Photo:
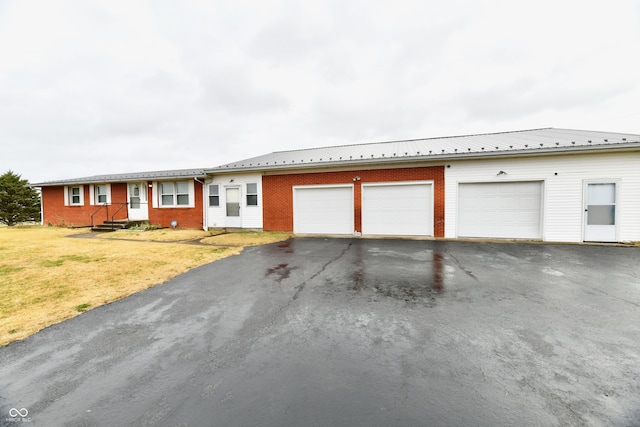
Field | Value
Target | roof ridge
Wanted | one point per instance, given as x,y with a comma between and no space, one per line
411,140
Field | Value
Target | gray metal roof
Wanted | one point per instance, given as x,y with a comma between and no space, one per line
524,142
127,177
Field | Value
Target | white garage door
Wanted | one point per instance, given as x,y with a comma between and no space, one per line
500,209
323,210
397,209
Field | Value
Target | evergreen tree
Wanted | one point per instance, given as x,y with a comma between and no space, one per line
18,202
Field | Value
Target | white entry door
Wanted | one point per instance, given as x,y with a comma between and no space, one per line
600,212
233,218
138,207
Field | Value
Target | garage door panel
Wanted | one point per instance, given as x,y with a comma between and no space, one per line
397,209
323,210
497,209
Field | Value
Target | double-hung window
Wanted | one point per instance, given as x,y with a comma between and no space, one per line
101,194
174,193
214,195
252,194
74,195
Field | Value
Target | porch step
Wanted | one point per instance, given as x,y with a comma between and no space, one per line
118,224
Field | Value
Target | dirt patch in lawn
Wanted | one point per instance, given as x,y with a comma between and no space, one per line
46,277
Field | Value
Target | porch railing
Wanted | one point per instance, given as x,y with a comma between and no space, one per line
105,206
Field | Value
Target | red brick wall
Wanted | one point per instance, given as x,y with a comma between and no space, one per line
277,192
56,213
186,217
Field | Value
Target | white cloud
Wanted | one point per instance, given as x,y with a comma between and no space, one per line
117,86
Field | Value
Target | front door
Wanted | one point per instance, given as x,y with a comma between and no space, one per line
233,207
138,206
600,212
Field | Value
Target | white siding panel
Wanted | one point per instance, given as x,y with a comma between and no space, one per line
564,177
251,216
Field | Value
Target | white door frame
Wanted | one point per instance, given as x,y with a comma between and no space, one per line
233,221
601,233
142,212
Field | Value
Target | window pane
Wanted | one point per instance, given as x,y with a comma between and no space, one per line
166,188
135,202
183,199
252,200
75,200
601,194
252,188
601,215
75,191
102,198
233,209
214,200
167,200
214,190
183,188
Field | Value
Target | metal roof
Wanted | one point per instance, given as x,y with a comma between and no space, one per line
514,143
523,142
127,177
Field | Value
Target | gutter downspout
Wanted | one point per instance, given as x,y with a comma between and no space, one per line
204,206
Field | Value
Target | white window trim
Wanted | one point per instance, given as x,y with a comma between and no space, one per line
247,194
218,195
67,195
93,196
157,195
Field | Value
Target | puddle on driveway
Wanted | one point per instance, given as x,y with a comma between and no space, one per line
416,278
281,272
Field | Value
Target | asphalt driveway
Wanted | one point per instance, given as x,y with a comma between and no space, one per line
350,332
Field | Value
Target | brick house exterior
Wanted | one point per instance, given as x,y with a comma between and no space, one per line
159,198
541,184
278,192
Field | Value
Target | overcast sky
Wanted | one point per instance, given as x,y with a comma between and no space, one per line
93,87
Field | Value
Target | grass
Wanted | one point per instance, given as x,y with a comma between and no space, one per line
46,277
161,235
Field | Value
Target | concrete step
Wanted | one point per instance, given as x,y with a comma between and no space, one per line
118,224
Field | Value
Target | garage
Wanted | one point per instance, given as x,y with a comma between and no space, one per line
500,209
401,209
323,209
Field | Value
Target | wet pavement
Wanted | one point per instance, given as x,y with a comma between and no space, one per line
350,332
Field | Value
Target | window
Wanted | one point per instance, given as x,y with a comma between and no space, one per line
74,195
174,193
101,194
214,195
252,194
